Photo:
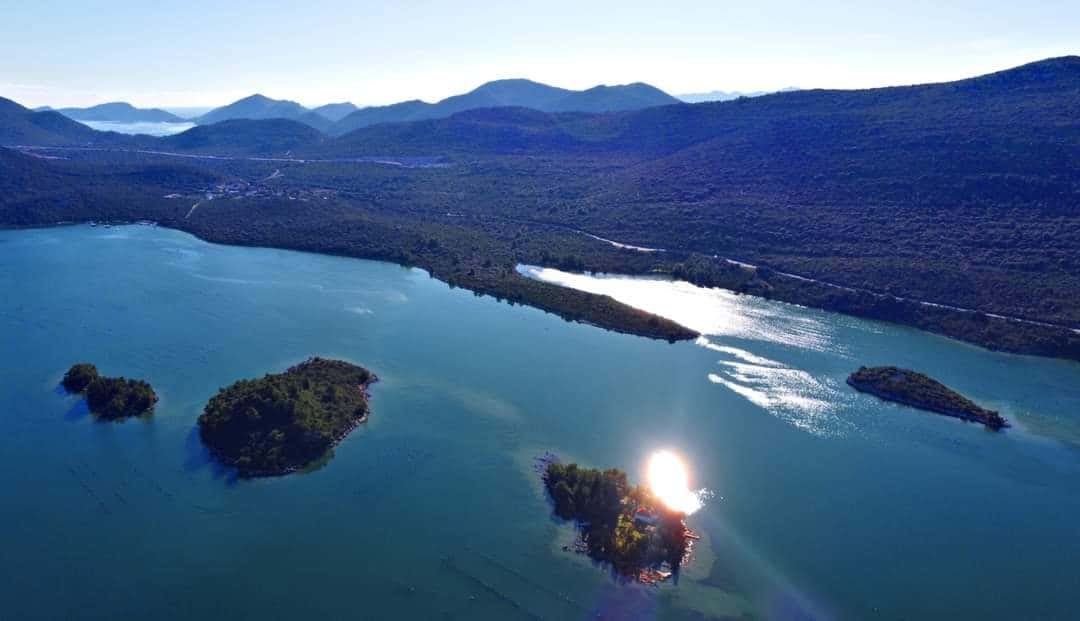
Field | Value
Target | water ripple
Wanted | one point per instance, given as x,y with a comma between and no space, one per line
788,393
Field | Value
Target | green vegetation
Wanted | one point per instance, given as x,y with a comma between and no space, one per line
963,195
281,423
244,137
79,377
621,524
110,397
918,390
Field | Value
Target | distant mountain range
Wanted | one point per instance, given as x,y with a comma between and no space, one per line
120,112
728,95
22,126
511,93
341,118
337,119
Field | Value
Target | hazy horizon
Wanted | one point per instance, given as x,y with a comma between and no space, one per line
202,54
195,110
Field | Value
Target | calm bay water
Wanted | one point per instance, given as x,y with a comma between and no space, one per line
147,127
827,504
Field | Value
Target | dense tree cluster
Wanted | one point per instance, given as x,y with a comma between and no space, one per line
621,524
79,377
280,423
110,397
918,390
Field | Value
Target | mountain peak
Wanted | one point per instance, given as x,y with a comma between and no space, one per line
257,106
119,112
255,98
334,112
509,83
514,92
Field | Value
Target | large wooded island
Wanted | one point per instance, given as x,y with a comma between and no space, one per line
283,422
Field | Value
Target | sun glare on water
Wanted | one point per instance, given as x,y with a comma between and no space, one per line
670,482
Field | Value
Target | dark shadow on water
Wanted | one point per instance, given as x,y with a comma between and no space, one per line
198,457
79,410
625,601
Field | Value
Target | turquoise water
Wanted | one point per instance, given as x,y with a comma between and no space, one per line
149,128
825,503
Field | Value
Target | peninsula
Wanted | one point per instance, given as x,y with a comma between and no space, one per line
280,423
620,524
919,391
109,397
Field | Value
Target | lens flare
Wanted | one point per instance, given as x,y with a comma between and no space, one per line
670,482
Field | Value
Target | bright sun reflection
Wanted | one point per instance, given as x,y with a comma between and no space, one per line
669,480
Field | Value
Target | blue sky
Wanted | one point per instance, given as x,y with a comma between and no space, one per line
207,53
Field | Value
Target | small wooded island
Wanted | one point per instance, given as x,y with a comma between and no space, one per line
281,423
109,397
620,524
917,390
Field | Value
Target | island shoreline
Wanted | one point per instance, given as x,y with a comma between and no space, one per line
338,439
872,381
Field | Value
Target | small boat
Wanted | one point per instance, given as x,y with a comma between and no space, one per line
93,224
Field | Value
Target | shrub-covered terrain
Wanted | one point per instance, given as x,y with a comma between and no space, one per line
110,397
79,377
918,390
280,423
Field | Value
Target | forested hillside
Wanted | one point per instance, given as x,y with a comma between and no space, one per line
963,194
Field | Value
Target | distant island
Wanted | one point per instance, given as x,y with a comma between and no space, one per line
110,397
620,524
280,423
120,112
918,390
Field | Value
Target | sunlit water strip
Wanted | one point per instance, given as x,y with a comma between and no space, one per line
789,393
714,312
